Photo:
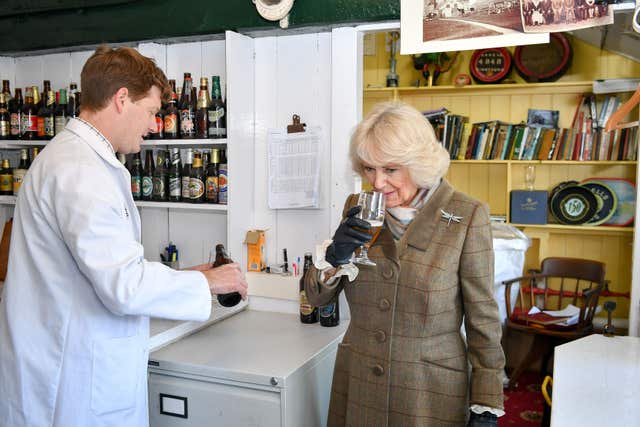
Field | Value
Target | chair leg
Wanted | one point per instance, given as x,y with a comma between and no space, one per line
537,350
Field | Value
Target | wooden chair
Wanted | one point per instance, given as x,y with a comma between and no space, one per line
560,281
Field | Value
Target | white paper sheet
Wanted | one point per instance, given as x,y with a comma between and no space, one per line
294,169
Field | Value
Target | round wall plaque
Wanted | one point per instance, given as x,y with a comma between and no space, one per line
574,205
490,65
544,62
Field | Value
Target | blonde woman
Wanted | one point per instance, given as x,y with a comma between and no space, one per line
403,361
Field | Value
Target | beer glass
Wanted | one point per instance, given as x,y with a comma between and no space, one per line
372,203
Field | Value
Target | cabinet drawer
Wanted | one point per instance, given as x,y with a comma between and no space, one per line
181,402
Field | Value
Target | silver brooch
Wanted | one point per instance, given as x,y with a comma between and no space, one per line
449,217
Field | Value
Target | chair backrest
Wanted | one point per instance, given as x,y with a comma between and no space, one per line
562,281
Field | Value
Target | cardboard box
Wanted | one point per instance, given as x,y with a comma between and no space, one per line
529,207
255,240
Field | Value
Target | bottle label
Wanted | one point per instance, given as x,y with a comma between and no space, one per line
222,187
196,188
49,126
186,192
147,186
15,124
18,177
305,307
215,128
158,187
59,123
40,126
5,128
29,123
187,126
328,310
170,124
212,188
175,187
136,186
6,183
159,126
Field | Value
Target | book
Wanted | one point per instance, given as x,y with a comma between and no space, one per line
546,144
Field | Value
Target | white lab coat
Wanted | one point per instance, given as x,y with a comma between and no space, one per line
74,317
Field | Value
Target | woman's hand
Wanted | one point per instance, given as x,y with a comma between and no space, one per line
347,238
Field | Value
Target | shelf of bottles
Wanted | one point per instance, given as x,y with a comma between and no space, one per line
11,200
217,143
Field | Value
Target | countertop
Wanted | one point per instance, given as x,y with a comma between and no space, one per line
251,346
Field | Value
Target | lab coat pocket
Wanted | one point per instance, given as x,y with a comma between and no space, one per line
115,374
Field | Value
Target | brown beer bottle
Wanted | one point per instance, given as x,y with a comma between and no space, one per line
202,118
5,118
29,127
196,183
20,171
6,178
15,112
308,313
225,300
211,180
186,176
46,116
171,114
187,110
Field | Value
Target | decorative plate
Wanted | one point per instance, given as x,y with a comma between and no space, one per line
544,62
574,205
607,202
625,192
490,65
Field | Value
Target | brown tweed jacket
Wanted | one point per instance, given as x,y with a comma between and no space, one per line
403,361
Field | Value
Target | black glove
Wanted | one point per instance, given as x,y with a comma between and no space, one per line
347,238
485,419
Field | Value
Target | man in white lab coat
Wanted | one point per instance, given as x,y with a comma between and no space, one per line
74,317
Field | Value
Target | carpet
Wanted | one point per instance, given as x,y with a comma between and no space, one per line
523,405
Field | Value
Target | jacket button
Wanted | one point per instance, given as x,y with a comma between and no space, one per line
378,370
387,274
380,336
384,304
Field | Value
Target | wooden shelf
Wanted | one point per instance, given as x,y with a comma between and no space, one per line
11,200
552,162
183,142
519,88
570,229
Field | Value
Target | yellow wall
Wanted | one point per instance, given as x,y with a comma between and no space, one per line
589,63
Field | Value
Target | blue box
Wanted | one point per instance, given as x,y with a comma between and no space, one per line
529,207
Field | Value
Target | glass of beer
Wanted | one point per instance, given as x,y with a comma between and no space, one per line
372,203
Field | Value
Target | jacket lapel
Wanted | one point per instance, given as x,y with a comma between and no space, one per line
421,229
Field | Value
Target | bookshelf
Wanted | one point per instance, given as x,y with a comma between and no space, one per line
492,180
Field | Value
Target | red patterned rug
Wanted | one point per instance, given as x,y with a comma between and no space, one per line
524,404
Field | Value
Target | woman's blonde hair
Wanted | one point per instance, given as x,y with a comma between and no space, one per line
396,133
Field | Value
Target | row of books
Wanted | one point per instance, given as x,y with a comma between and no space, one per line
497,140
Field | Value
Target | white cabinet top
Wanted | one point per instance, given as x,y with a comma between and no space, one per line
251,346
596,382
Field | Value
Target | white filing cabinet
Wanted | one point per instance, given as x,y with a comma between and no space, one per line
255,368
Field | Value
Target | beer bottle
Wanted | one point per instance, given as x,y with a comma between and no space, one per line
175,181
186,177
6,89
308,313
330,313
159,131
34,153
20,171
202,119
187,110
29,127
221,258
171,120
222,178
211,192
46,117
46,87
136,177
60,116
72,102
6,178
196,183
160,178
15,113
147,176
217,110
5,118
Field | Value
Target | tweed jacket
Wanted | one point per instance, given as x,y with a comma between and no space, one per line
403,361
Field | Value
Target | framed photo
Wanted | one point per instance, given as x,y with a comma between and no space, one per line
543,118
